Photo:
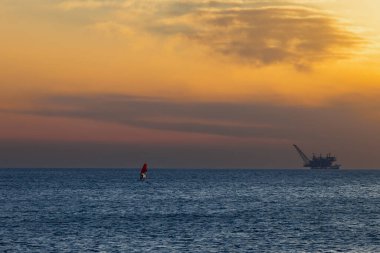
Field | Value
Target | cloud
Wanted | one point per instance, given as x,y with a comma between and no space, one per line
254,32
268,35
238,120
153,113
92,4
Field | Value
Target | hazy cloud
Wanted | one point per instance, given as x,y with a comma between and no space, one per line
268,35
255,32
92,4
241,120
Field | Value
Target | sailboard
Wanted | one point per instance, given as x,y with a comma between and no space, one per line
143,172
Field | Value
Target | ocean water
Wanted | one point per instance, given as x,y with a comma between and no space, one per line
109,210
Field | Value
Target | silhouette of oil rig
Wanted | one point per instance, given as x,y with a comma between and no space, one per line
318,162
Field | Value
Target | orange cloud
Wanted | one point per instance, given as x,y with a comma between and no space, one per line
255,32
299,36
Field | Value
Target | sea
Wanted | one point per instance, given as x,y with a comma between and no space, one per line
189,210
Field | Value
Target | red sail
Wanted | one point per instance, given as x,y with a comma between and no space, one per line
144,169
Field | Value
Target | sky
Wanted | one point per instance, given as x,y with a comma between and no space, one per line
188,84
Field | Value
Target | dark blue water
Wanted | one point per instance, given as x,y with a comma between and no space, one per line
108,210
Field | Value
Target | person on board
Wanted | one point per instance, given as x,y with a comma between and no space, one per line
143,172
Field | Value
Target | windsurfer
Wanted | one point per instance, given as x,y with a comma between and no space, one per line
143,172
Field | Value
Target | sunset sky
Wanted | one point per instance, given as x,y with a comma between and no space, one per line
188,84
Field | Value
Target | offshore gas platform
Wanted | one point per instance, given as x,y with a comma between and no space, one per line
318,162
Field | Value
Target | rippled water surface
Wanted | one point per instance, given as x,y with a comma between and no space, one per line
109,210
